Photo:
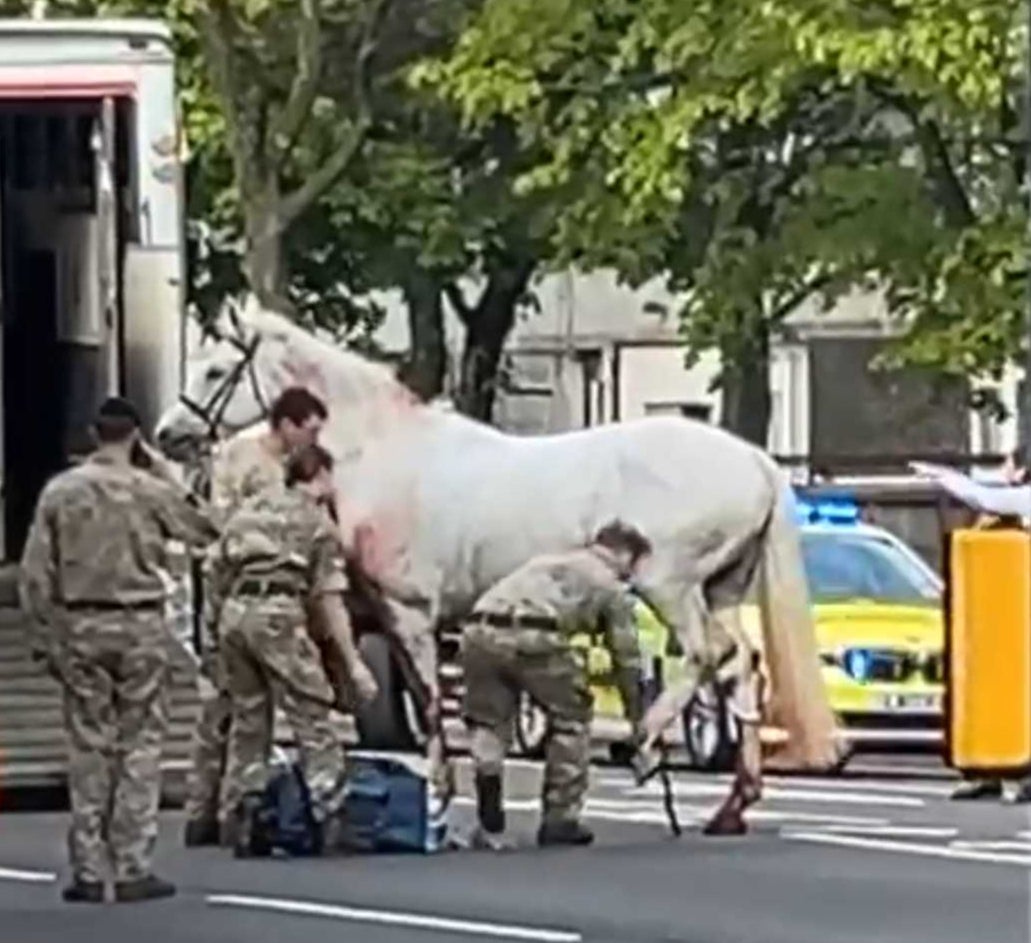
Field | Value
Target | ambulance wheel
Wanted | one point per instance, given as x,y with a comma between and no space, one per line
531,728
383,723
711,732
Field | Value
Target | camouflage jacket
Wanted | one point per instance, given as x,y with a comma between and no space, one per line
281,536
582,591
243,467
100,535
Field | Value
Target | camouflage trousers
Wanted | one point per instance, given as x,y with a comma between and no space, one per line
270,661
210,741
498,664
114,671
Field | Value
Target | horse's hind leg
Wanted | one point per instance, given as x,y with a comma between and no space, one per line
745,704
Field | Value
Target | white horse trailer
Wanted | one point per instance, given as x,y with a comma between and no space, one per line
91,239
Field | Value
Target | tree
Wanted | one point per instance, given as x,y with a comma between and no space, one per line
267,63
758,152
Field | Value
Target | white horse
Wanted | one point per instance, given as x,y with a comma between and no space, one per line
441,507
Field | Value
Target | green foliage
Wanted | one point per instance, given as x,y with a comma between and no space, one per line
760,150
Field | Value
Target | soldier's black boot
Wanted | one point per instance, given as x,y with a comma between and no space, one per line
249,832
83,892
489,808
564,832
148,888
200,833
490,813
974,789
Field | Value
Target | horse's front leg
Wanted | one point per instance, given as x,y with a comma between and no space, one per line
419,661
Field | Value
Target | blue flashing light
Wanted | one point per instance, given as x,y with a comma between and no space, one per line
836,511
858,663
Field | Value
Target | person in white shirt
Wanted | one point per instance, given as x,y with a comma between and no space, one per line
1008,505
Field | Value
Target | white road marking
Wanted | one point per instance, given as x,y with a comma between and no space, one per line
907,848
691,791
614,808
646,813
898,831
30,877
1020,846
903,789
391,918
719,782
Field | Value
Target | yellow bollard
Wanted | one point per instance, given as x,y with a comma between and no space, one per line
988,651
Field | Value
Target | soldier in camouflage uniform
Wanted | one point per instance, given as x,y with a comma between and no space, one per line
277,569
518,639
91,580
245,466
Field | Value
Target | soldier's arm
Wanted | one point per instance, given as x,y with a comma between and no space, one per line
37,577
225,487
218,580
328,580
182,515
620,634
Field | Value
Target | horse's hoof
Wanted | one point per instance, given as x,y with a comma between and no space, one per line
729,823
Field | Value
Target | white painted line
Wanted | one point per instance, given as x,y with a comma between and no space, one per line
844,785
897,831
630,812
29,877
854,797
907,848
390,918
1020,846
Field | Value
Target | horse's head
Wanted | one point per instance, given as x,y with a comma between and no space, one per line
233,379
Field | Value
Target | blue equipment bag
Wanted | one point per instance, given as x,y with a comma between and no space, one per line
390,807
285,823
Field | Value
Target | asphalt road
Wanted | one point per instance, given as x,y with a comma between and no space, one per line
879,855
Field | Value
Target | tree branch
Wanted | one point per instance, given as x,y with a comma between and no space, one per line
290,121
811,285
319,182
952,196
219,28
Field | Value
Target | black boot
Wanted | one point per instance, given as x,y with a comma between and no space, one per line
564,833
1023,793
200,833
248,831
973,789
489,808
148,888
83,892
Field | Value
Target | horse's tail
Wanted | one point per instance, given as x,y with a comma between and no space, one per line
798,703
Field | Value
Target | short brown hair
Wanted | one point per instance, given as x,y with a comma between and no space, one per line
298,405
617,535
306,463
116,420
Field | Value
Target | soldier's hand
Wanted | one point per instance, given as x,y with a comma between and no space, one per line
364,682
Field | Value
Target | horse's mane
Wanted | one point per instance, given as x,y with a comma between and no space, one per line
367,378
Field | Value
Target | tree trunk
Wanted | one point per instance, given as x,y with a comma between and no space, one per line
264,261
747,401
423,372
487,328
